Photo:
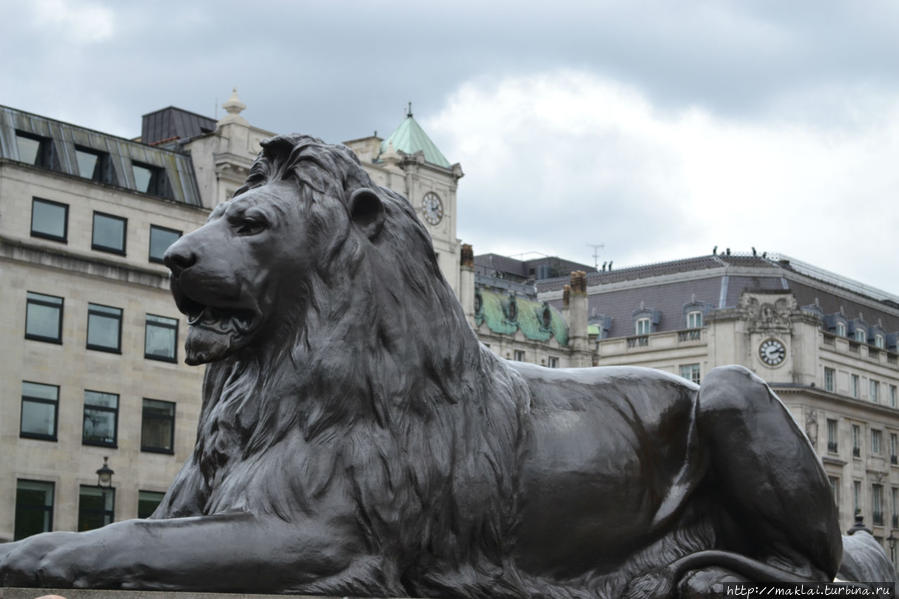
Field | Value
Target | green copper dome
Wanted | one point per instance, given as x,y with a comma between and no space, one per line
410,138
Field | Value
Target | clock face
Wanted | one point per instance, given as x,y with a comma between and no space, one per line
772,352
432,208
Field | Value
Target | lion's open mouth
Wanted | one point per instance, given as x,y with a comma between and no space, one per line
215,331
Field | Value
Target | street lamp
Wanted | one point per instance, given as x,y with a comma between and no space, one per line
104,474
891,541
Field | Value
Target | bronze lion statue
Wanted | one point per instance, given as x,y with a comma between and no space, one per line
357,439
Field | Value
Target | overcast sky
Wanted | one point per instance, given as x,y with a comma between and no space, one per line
658,129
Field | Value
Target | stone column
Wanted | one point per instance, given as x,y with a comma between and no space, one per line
466,282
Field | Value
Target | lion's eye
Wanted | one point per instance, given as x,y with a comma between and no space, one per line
248,226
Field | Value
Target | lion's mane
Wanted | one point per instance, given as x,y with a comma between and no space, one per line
375,377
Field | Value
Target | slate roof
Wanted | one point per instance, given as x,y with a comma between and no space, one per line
669,290
119,154
410,138
168,124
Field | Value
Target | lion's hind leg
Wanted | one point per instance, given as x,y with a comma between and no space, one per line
765,477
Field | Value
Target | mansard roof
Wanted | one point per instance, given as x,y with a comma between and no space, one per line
61,143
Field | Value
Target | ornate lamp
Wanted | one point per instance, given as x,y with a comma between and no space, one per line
104,474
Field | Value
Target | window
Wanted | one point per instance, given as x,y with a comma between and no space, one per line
109,233
841,329
856,495
876,441
873,390
160,240
856,440
150,179
694,319
553,362
835,488
34,149
690,372
853,386
157,431
518,355
147,502
829,376
43,317
879,341
49,220
34,508
40,407
104,328
894,505
642,326
893,396
894,448
832,444
860,335
877,504
101,416
96,507
161,338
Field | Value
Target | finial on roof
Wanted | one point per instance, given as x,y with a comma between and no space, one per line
409,110
233,106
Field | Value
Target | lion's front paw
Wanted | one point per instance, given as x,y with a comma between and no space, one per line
25,563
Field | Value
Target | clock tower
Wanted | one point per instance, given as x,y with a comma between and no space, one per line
409,163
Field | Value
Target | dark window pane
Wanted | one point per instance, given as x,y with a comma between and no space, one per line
100,418
161,338
142,177
160,240
158,426
87,163
39,404
34,508
96,507
147,502
28,149
109,233
48,219
103,327
43,316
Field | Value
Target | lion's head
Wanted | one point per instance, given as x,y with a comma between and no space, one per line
302,224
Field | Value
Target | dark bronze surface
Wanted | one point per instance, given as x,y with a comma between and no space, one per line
357,439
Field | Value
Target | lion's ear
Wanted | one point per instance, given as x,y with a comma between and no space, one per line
367,211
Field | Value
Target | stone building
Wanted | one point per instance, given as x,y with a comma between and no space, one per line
91,339
827,345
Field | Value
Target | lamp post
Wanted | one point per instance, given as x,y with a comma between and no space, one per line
891,541
104,474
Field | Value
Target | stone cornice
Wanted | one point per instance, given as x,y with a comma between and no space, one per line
836,398
17,250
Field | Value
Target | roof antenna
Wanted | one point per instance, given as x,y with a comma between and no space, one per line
596,247
409,110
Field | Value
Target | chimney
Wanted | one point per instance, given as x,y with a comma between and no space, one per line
577,320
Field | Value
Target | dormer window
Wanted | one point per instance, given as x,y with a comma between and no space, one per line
841,329
694,319
860,335
34,149
150,179
642,326
93,165
879,341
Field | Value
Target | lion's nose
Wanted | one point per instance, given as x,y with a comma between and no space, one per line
179,257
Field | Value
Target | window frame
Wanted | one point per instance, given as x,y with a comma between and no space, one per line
103,348
41,302
695,372
855,386
153,449
44,157
874,390
861,335
830,379
150,245
141,492
47,509
65,221
105,248
833,435
519,355
98,408
696,316
856,441
840,329
876,441
147,324
108,515
41,400
638,324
